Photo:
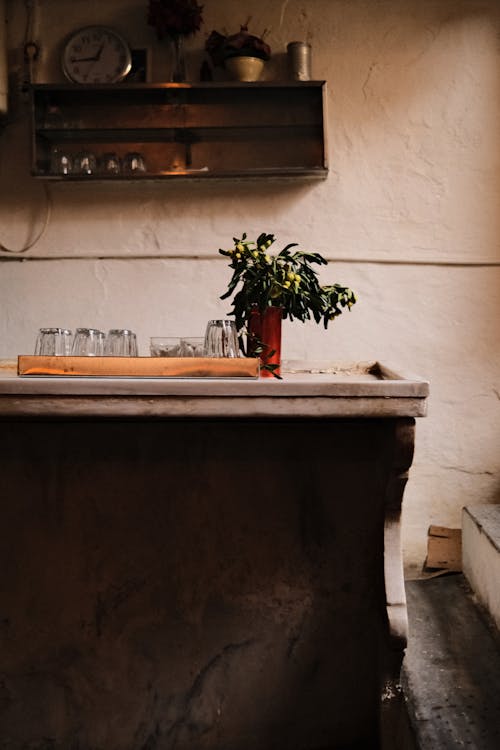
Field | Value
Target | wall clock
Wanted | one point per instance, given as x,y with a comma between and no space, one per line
96,54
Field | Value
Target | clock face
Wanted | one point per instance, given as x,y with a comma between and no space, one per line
96,54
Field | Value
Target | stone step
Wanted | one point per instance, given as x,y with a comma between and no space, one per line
481,555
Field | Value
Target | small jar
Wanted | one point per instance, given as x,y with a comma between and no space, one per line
299,61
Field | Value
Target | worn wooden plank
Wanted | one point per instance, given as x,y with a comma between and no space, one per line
148,367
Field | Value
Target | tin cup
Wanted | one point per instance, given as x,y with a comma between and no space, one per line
299,61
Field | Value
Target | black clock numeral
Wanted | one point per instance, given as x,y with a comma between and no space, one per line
76,48
85,39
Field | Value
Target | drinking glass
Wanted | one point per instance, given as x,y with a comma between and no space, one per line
133,163
193,346
60,162
120,342
165,346
110,163
85,163
221,339
53,342
88,342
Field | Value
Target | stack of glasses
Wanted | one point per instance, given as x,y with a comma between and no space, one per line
87,342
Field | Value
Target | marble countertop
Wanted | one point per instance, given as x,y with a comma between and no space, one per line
307,389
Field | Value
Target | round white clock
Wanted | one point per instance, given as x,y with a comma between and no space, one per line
96,54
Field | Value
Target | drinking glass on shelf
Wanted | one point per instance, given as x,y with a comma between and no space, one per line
53,342
192,346
165,346
54,118
133,163
88,342
221,339
109,163
85,163
120,342
60,162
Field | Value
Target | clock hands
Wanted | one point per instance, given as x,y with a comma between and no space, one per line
83,59
94,58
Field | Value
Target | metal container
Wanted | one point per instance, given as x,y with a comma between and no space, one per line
299,61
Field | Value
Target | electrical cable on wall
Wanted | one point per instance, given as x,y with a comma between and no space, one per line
42,231
31,51
3,63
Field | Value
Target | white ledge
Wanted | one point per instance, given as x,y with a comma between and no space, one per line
315,389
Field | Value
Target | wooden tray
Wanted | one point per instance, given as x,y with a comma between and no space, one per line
139,367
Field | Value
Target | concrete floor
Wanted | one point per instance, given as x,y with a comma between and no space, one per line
451,672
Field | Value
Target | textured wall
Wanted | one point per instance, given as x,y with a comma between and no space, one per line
409,215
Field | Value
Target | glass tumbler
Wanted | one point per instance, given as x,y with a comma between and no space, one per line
120,342
193,346
88,342
85,163
165,346
53,342
133,163
221,339
60,162
110,163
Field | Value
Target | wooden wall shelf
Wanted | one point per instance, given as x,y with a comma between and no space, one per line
201,130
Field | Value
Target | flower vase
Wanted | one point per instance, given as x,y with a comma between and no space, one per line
244,67
264,331
179,59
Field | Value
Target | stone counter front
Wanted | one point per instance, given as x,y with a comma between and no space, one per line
175,580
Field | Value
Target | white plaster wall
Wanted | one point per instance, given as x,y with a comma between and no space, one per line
409,216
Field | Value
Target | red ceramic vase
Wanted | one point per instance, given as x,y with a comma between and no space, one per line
264,329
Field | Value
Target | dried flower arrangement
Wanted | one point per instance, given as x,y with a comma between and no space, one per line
220,46
173,18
